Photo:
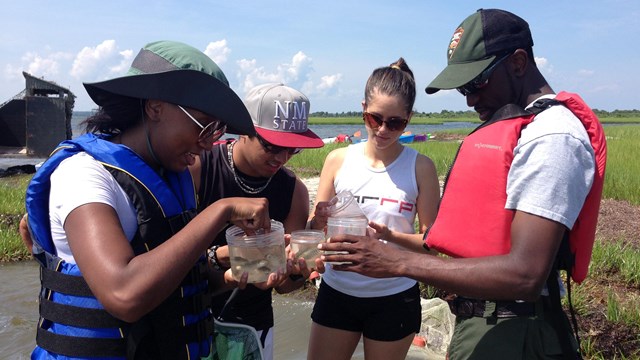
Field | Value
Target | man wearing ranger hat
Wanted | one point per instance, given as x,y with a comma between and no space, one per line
521,198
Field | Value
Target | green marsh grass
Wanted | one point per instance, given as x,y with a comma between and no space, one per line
580,298
620,120
440,152
622,177
617,311
630,267
356,120
434,120
12,195
605,258
308,163
589,349
11,247
622,182
613,308
616,258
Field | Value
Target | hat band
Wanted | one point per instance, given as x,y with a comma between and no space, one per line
149,62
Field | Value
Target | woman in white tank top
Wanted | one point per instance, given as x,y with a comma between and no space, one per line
392,184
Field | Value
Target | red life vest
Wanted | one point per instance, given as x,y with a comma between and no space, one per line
472,220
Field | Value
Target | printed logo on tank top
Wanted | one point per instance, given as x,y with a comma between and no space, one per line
395,204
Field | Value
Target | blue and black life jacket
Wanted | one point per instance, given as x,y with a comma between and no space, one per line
73,323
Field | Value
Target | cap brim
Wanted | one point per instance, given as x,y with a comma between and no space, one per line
307,139
456,75
189,88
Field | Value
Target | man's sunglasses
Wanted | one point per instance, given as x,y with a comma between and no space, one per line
275,149
374,121
209,133
481,80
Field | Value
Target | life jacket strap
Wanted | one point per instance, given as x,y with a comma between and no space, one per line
64,283
78,346
562,327
78,316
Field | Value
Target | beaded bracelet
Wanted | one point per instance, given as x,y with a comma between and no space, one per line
213,257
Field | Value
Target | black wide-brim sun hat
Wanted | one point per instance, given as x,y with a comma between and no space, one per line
179,74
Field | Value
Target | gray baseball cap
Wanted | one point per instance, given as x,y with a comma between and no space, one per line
280,115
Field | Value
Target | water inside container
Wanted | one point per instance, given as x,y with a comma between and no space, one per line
259,255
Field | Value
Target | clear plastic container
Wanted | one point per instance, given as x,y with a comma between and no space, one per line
259,255
345,204
304,244
346,225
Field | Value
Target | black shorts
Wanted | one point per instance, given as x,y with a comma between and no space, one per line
384,318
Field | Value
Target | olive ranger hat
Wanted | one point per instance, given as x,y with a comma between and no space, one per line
280,115
179,74
475,44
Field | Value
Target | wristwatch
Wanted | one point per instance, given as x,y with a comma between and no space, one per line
213,257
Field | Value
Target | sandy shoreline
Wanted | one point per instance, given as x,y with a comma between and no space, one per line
312,187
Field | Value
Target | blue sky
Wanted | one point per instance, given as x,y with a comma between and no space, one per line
326,49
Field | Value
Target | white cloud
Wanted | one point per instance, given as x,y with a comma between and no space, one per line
92,60
296,73
329,82
246,65
585,72
543,64
299,70
251,75
125,62
12,72
41,66
218,51
46,66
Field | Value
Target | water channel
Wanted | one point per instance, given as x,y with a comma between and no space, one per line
19,282
19,286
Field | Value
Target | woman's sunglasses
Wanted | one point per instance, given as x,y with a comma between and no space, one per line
209,133
393,124
275,149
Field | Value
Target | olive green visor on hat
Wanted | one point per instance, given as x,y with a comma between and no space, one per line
179,74
457,74
466,56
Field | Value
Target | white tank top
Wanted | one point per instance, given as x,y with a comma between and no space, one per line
386,195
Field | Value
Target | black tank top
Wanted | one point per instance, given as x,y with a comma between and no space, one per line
252,306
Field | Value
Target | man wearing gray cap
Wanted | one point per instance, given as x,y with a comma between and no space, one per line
521,198
252,166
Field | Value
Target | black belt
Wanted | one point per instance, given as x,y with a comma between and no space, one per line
464,307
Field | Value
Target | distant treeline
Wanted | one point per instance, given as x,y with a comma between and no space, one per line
447,114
